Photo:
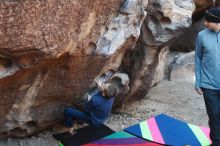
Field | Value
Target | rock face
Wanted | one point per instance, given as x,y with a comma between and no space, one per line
186,42
50,52
182,67
165,20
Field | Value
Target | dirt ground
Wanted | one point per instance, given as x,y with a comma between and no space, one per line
177,99
174,98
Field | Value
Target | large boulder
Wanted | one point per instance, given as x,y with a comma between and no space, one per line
51,51
186,42
145,63
166,20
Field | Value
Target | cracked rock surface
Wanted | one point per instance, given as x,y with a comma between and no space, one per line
52,50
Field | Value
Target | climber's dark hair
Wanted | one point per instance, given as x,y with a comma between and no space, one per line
109,90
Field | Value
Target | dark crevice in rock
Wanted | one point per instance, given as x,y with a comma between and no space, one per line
165,20
91,48
18,131
31,124
7,66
